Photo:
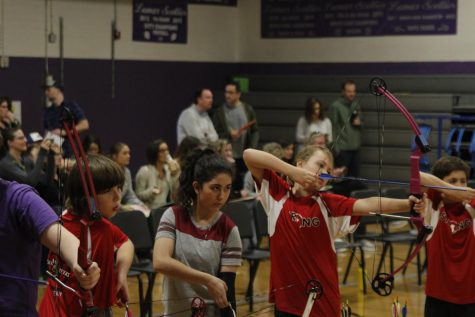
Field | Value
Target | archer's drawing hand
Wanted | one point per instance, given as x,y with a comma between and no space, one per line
304,177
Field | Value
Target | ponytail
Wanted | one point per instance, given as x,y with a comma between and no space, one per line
200,166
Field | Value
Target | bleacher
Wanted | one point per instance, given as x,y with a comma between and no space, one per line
279,102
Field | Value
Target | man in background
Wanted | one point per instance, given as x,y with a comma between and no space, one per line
345,115
195,121
236,121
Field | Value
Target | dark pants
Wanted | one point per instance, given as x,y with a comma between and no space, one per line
351,160
241,170
438,308
279,313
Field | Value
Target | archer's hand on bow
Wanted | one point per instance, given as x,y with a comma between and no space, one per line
122,290
419,203
89,279
217,288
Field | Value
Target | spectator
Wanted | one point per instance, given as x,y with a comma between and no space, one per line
186,146
120,153
16,166
314,120
92,144
56,175
229,120
53,176
7,119
224,148
195,121
345,114
33,141
317,138
289,150
58,110
197,247
156,183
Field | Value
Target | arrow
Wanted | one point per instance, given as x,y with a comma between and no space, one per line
325,176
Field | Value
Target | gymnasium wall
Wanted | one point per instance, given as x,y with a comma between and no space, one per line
154,82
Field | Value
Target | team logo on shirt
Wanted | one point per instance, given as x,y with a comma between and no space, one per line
453,225
304,222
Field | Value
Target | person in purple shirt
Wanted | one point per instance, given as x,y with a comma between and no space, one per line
26,222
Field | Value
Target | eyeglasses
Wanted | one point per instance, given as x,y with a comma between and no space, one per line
163,150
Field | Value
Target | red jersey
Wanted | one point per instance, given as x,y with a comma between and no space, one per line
106,238
302,232
450,251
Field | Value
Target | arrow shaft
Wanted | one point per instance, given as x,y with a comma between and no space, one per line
391,216
383,181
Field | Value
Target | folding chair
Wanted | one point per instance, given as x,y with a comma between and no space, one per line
241,214
135,225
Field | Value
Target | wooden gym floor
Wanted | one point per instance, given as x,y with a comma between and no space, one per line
369,305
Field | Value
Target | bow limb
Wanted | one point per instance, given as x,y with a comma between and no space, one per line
85,241
383,284
378,87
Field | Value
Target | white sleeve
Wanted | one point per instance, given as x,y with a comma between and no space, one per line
272,195
181,127
329,129
167,226
212,135
300,136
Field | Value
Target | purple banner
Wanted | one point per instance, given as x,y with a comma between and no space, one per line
340,18
231,3
160,21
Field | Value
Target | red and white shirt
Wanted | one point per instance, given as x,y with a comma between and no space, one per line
105,239
302,232
450,250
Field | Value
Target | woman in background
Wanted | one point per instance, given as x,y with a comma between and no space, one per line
92,144
120,153
314,120
156,183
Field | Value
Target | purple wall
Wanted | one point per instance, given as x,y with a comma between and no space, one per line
406,68
150,95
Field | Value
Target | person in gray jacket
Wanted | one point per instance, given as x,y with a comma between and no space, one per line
236,121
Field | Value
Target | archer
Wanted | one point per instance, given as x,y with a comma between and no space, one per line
302,254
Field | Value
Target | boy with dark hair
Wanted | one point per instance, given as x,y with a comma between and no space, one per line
451,246
106,239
